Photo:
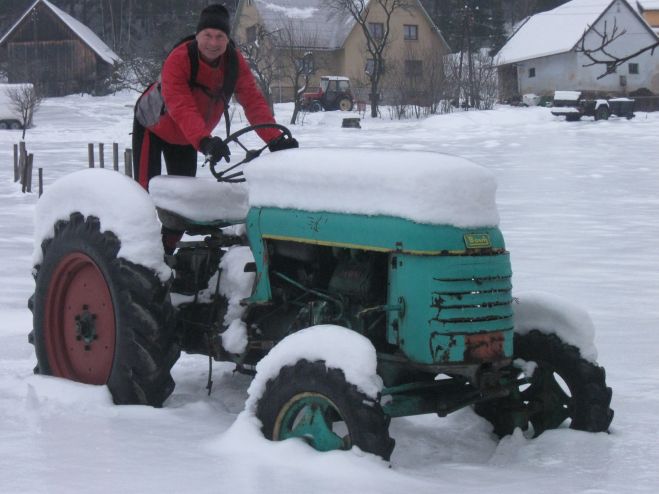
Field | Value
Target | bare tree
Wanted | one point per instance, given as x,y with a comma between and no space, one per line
476,88
25,100
416,84
261,56
136,72
377,38
298,62
601,54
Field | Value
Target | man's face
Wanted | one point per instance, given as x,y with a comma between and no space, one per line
212,43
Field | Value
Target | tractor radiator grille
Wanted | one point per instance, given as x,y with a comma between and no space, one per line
474,300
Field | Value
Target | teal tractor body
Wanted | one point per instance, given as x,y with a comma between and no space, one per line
398,251
449,293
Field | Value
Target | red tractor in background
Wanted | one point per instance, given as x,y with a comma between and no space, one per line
333,94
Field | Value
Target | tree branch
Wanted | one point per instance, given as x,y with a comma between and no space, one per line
601,55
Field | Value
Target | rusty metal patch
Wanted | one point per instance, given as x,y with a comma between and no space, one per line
484,347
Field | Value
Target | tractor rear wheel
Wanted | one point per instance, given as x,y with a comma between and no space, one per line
309,401
15,125
3,125
563,387
345,104
99,319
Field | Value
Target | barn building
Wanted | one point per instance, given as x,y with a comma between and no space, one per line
55,52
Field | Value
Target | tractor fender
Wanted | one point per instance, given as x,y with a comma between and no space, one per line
121,205
339,347
552,314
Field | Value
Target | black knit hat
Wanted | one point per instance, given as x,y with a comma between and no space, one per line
215,16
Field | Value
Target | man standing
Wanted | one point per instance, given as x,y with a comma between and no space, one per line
176,115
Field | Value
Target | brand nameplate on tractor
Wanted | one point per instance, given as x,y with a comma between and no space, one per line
477,241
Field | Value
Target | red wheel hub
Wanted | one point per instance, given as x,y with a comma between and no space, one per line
80,330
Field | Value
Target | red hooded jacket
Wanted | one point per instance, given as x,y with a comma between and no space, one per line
191,113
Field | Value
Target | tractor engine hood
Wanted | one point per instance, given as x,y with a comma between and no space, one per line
424,187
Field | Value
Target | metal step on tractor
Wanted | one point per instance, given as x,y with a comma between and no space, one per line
349,309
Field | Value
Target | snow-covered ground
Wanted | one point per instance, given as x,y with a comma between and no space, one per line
579,208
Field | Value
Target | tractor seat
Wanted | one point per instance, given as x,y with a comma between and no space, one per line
188,202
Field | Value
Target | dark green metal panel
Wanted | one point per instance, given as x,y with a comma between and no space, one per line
446,298
262,292
380,233
445,291
383,233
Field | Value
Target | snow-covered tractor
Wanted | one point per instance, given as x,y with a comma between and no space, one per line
333,94
356,290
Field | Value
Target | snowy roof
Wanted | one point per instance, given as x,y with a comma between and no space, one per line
648,4
552,32
319,25
82,31
314,19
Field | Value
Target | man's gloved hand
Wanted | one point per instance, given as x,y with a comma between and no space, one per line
214,149
283,142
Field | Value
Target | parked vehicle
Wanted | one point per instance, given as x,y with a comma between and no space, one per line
9,117
333,94
573,105
418,295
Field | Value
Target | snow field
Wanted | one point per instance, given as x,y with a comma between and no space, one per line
578,207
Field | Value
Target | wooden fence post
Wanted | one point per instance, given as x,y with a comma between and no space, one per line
16,175
101,155
22,160
90,154
115,156
40,181
28,172
128,162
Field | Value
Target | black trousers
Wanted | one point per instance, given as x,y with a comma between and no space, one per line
148,150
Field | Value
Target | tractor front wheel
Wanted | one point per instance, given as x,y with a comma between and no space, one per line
563,387
317,404
99,319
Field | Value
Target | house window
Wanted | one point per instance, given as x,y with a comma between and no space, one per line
633,68
306,64
411,32
376,29
370,65
413,68
250,33
532,72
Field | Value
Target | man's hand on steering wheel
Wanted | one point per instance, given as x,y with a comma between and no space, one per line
283,142
214,149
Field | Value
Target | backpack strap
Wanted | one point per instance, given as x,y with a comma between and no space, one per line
193,55
230,75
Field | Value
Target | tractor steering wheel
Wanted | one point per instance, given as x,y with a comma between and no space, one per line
250,154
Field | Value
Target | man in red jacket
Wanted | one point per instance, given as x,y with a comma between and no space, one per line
176,116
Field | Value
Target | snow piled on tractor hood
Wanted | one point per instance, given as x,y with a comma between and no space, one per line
339,347
425,187
122,205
